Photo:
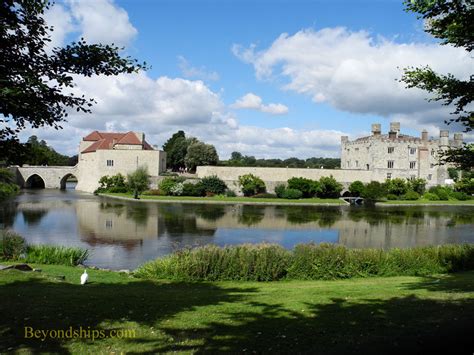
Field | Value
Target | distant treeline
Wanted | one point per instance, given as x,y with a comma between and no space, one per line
33,152
237,159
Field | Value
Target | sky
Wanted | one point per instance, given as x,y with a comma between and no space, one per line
268,78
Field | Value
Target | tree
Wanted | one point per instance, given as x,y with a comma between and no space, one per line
453,22
138,181
34,78
200,153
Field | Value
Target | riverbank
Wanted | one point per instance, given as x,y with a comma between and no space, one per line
230,200
422,202
374,315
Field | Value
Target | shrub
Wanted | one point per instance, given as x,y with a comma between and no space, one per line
279,190
177,189
230,193
292,194
49,254
308,187
430,196
392,197
138,181
357,188
461,196
6,176
411,196
190,189
330,188
251,185
442,192
115,183
396,186
465,185
213,185
374,191
8,190
418,185
12,245
152,192
168,182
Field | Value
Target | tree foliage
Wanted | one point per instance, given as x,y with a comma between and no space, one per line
200,153
451,21
237,159
138,181
36,81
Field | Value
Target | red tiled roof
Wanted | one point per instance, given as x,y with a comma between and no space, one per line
107,140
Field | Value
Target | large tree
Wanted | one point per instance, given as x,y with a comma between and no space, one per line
35,80
200,153
451,21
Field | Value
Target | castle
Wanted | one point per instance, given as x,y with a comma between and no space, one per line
396,155
108,153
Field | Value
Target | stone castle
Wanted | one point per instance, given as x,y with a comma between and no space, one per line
396,155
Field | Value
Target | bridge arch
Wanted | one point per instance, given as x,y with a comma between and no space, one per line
35,181
64,179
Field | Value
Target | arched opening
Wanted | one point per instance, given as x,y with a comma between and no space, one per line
346,194
35,182
68,182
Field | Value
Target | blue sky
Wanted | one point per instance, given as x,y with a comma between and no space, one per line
267,78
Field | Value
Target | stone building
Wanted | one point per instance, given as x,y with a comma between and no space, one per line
109,153
396,155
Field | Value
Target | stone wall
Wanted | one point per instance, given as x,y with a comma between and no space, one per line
275,176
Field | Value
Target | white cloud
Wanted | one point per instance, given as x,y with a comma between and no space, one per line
355,72
191,72
254,102
97,21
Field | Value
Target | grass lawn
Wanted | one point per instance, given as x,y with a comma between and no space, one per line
427,202
373,315
240,199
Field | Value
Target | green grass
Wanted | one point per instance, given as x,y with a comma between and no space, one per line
240,199
59,255
426,202
369,316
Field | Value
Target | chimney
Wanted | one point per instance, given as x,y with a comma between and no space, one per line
444,138
424,135
140,136
395,127
344,139
392,135
376,129
457,140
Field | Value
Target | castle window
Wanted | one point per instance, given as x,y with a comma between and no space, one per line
429,176
412,164
391,150
389,176
357,149
432,152
110,163
357,163
368,166
348,164
412,150
108,224
412,177
390,164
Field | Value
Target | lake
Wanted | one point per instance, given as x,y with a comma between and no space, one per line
124,234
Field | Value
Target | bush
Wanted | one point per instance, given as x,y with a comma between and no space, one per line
190,189
12,245
357,188
49,254
167,184
266,262
374,191
292,194
396,186
279,190
465,185
230,193
8,190
461,196
177,189
115,183
213,185
418,185
330,188
153,192
138,181
411,196
308,187
392,197
442,192
251,185
430,196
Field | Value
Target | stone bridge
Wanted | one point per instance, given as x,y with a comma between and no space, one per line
49,177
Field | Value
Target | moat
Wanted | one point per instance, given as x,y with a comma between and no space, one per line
124,234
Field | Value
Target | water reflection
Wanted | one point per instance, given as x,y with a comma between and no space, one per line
124,234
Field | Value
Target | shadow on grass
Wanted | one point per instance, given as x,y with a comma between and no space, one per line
408,324
42,304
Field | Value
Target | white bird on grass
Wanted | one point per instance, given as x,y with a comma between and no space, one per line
84,277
